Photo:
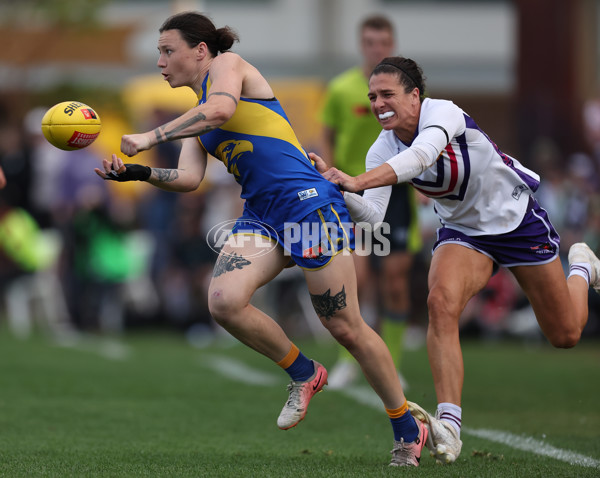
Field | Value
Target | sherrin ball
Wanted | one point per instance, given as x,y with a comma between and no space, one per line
71,125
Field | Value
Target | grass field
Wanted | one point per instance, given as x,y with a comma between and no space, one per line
150,405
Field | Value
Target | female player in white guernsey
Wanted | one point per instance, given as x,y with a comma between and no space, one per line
240,122
489,218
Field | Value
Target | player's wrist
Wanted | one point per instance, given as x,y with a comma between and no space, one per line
133,172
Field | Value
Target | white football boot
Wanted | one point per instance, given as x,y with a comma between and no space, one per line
300,394
443,441
580,252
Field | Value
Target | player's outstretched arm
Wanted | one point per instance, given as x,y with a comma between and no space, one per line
226,73
187,176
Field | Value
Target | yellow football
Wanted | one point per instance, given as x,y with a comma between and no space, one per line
71,125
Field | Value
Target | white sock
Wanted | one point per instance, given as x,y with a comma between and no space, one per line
582,269
451,414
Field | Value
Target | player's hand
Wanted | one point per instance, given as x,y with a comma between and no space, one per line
320,164
346,183
132,144
115,170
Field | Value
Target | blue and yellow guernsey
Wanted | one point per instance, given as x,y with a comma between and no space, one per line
259,147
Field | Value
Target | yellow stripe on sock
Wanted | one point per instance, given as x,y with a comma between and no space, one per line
397,412
290,357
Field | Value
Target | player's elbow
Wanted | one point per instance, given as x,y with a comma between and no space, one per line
188,188
222,113
191,185
220,117
183,182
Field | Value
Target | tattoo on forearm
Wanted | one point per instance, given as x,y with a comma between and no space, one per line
223,93
159,135
228,263
166,175
194,119
326,305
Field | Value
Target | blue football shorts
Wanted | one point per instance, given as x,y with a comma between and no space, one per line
310,243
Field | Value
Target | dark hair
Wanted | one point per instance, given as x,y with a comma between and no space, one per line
410,75
377,22
196,28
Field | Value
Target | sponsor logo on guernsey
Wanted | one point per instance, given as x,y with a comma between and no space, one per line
516,194
307,194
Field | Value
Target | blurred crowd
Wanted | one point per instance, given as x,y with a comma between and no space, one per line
75,256
79,255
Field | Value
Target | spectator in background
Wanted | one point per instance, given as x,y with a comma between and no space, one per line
30,252
47,164
15,162
349,131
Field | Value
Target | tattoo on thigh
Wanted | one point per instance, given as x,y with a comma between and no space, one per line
229,262
326,305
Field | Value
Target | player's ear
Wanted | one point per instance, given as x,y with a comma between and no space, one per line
416,95
202,50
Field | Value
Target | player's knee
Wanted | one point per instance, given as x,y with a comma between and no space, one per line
224,306
344,335
442,310
564,339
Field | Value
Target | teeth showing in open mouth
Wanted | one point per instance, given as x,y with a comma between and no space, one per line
387,114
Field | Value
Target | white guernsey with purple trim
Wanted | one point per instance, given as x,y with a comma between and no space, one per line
477,189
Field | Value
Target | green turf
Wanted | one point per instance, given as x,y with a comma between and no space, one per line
70,412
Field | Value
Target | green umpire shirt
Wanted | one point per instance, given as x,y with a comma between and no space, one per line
347,110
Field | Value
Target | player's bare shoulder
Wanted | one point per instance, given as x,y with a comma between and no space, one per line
227,61
254,85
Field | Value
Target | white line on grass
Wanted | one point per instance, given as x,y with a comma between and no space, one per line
106,348
368,397
535,446
237,370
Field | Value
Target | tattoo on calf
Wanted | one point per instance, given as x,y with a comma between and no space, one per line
326,305
229,262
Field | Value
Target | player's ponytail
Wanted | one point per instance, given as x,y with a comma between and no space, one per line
196,28
225,38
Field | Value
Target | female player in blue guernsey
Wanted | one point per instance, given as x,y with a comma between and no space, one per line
239,121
